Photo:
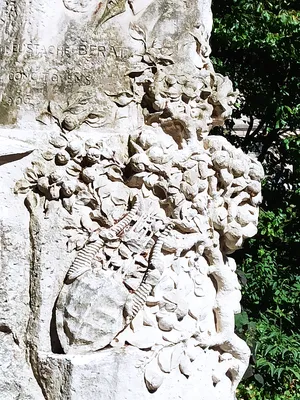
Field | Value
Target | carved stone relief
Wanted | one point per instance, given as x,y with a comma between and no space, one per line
134,210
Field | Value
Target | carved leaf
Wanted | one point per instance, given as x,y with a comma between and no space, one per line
79,99
70,223
80,242
164,359
56,110
185,365
31,201
68,204
22,186
118,199
164,60
31,175
137,33
144,338
76,109
176,355
153,376
39,168
48,155
114,173
76,6
94,119
149,318
122,99
113,8
71,244
86,199
138,69
88,224
134,148
137,322
149,59
45,118
100,181
74,169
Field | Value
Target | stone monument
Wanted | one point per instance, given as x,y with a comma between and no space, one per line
118,210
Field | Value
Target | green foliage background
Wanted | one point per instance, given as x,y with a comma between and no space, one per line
257,44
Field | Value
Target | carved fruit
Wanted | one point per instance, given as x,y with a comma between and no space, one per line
68,188
90,312
43,184
58,142
54,192
88,175
75,147
93,156
62,158
56,177
70,122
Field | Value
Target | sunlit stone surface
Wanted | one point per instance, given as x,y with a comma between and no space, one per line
118,210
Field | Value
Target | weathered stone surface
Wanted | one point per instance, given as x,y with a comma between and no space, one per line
119,374
118,209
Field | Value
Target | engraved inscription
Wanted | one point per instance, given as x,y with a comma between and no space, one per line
35,50
67,67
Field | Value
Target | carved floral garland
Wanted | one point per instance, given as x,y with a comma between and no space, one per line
150,243
152,230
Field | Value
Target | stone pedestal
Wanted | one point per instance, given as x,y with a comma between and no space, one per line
118,209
